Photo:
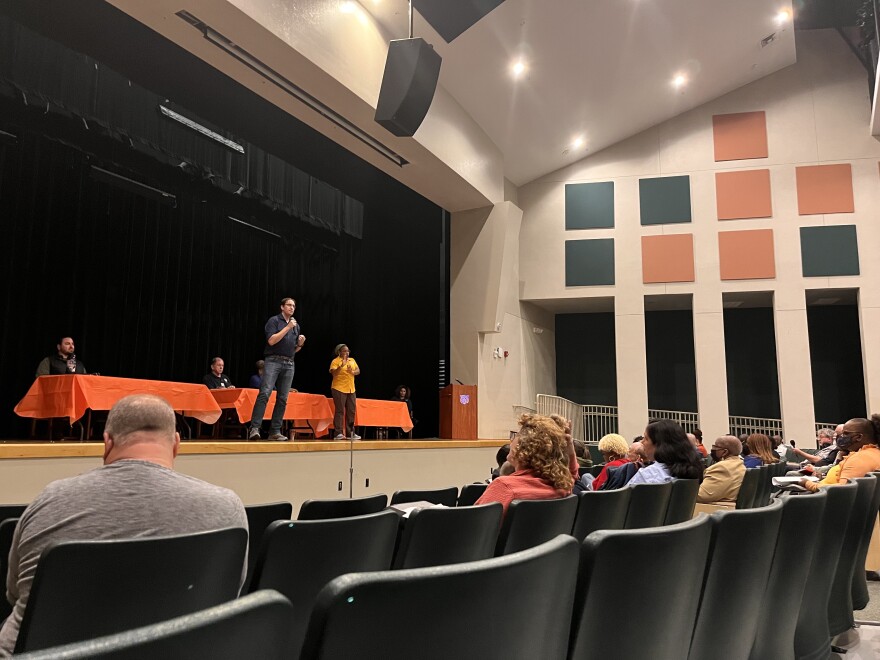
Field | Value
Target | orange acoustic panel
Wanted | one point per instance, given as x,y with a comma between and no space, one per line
825,189
668,258
743,194
746,255
740,136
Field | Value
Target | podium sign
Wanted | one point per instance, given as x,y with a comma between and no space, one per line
458,412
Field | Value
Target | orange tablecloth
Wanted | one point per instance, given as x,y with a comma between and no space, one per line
376,412
71,395
310,407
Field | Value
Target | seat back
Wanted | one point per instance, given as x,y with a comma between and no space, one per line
811,638
299,557
798,532
7,529
85,589
259,516
444,496
840,605
735,581
358,506
647,505
432,537
531,522
601,509
443,610
765,484
470,493
253,626
748,490
682,501
11,511
859,585
606,593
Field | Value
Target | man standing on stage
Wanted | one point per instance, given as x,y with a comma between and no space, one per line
63,362
283,341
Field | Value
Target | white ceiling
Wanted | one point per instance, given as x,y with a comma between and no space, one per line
601,69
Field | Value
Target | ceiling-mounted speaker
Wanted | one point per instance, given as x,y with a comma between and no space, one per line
411,72
452,17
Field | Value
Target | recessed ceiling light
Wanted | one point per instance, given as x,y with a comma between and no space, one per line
783,16
518,68
578,142
679,81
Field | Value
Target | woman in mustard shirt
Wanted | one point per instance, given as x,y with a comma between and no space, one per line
343,369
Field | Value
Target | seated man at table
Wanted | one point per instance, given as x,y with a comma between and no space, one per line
62,362
136,494
216,379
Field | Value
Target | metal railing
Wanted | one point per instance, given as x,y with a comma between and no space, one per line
548,404
740,425
598,421
688,420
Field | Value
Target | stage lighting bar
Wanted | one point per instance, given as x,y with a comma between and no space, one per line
204,130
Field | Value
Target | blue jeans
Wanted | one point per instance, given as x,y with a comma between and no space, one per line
276,373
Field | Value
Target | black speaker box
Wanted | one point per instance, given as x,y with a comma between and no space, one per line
411,72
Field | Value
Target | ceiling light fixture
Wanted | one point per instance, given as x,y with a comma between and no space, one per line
293,90
578,142
679,81
783,16
518,68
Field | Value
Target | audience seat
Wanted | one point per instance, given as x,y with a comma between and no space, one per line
531,522
812,638
647,505
11,511
765,485
254,626
601,509
860,595
660,599
682,501
432,537
470,493
85,589
516,606
7,529
358,506
259,517
298,558
748,490
840,604
736,577
444,496
798,533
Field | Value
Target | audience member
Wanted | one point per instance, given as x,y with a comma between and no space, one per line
343,369
827,450
404,394
543,455
257,378
135,494
216,379
698,434
858,437
62,362
580,451
674,456
500,459
613,448
779,447
636,453
760,451
722,479
697,444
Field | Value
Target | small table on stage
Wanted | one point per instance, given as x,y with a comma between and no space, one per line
380,414
312,408
74,395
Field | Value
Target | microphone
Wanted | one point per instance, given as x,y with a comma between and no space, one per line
458,381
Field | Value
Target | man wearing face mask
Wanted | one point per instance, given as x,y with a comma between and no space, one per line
722,479
858,437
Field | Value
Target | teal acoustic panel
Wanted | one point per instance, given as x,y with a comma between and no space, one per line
589,262
589,205
829,251
665,200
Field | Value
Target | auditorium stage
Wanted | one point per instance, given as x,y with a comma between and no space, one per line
271,471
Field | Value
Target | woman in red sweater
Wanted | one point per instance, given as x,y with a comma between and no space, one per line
546,466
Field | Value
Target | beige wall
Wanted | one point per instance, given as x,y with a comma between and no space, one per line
817,112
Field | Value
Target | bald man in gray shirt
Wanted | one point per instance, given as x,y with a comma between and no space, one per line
136,494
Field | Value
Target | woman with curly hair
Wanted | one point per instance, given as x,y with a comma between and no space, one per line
674,456
545,464
760,451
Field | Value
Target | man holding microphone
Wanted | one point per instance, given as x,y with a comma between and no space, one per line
283,341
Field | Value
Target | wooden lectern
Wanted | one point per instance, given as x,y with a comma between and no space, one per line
458,412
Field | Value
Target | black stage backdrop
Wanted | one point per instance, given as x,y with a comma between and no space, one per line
151,290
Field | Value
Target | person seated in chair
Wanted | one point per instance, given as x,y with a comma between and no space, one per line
257,378
722,479
859,438
216,379
404,394
760,451
62,362
542,454
614,449
136,494
673,455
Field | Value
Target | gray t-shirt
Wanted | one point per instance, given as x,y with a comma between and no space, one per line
124,500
